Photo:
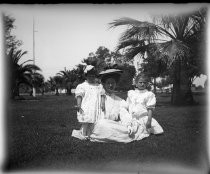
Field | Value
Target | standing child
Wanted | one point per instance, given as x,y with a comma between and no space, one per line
141,104
90,102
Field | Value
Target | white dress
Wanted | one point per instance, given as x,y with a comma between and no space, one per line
139,101
91,102
112,131
113,105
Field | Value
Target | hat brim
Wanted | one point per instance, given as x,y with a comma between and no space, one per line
110,71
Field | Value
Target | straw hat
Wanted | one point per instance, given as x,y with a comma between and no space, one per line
110,73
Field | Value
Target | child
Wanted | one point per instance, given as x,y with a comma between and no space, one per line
90,101
141,104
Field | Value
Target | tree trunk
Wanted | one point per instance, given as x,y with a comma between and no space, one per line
181,93
68,91
56,93
68,88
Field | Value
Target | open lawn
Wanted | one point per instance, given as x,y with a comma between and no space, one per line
39,130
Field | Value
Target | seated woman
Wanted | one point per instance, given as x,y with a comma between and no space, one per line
113,104
135,123
116,114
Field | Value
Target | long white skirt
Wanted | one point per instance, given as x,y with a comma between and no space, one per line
112,131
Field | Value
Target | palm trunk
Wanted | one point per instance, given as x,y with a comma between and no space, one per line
181,94
68,91
56,93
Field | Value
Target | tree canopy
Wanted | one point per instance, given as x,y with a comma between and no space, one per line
177,40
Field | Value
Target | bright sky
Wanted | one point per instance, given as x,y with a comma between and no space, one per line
67,33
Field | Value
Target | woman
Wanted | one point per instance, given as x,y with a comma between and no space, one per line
113,103
130,127
112,127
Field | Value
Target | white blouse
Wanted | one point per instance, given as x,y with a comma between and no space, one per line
113,105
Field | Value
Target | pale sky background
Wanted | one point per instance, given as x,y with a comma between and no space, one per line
67,33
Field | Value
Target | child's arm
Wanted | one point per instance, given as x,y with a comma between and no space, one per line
148,124
79,102
150,107
103,102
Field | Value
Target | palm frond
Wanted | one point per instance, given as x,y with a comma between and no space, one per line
25,62
133,51
130,22
173,50
32,67
129,42
142,33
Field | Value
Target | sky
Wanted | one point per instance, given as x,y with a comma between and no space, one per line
66,33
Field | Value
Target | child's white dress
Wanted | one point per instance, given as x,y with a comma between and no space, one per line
91,105
139,101
91,102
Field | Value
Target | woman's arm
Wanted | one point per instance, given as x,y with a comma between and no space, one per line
103,102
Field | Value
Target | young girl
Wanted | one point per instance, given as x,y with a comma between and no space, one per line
141,104
90,102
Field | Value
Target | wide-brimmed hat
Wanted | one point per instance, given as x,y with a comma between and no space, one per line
110,73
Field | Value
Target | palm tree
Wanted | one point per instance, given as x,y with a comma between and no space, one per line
69,77
172,39
51,84
55,82
38,82
20,72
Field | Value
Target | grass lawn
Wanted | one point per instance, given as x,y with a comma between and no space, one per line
39,130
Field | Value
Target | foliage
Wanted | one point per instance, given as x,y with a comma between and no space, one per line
172,39
38,82
21,72
69,77
164,82
98,59
10,40
55,83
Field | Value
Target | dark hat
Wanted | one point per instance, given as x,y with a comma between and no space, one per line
110,73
